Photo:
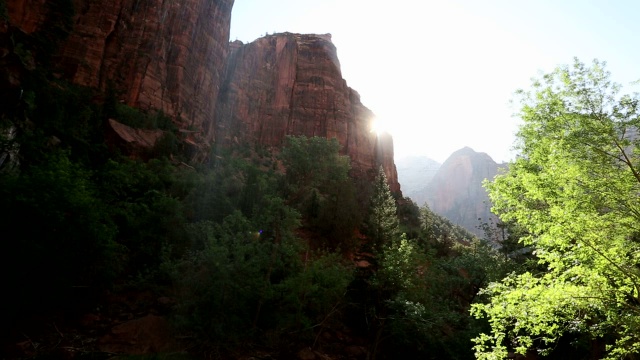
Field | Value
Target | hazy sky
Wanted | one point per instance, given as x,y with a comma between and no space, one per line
440,74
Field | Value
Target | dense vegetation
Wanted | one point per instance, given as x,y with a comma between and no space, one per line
254,245
248,252
574,192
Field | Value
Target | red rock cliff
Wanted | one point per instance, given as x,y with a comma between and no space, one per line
171,56
291,84
158,54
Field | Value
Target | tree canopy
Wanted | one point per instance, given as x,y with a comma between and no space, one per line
382,221
574,190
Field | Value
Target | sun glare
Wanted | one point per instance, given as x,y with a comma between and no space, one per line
379,126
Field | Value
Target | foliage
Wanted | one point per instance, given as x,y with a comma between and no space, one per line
312,163
145,203
221,283
382,221
573,189
439,233
318,185
60,114
338,216
56,233
416,304
314,296
249,277
429,296
409,217
98,216
221,237
505,236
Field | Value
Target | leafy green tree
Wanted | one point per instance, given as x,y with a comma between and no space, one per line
382,222
506,237
437,232
317,183
221,284
250,279
314,296
409,217
57,235
427,297
312,163
146,206
339,215
574,191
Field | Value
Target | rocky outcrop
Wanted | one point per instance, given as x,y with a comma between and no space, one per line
163,55
27,15
291,84
130,140
456,191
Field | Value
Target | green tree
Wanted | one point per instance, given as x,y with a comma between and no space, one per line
427,297
312,163
67,242
383,225
226,285
251,278
317,183
437,232
574,191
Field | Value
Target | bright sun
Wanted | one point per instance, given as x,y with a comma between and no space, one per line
379,126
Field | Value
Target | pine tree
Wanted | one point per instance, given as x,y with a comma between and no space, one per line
382,222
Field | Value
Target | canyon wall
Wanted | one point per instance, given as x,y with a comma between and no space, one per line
176,57
155,54
291,84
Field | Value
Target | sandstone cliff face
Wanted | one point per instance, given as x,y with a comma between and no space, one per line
157,54
291,84
456,190
171,56
27,15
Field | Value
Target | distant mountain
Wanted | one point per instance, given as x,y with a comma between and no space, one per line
414,173
456,191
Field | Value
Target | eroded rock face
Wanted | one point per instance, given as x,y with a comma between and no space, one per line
27,15
156,54
291,84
